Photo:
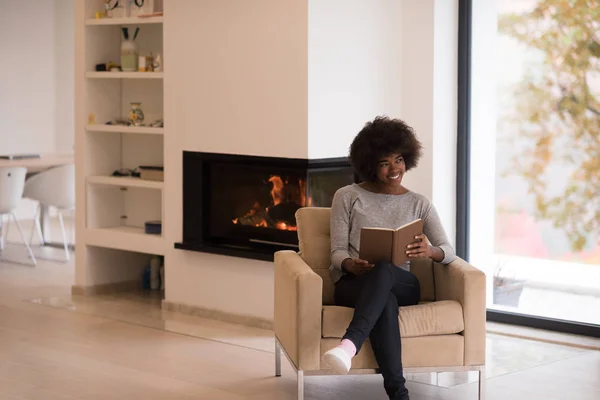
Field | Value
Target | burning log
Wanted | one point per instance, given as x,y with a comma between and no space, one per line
286,199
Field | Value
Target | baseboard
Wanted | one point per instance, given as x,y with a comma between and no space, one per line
255,322
106,288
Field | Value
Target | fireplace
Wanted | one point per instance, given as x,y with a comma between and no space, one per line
245,205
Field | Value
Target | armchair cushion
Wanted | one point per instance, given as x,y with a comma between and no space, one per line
426,319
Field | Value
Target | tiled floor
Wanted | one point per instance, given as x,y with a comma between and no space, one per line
53,346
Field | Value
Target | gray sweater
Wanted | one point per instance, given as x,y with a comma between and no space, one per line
354,207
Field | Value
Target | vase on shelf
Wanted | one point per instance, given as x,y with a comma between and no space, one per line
136,115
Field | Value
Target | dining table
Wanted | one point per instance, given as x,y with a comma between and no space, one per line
35,164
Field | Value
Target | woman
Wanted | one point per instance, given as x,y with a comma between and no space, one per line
381,154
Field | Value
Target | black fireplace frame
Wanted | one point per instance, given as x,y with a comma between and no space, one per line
195,201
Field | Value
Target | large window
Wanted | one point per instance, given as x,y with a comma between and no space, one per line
533,155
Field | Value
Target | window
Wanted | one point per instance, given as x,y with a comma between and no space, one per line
529,144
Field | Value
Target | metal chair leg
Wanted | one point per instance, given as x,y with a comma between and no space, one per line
36,227
482,384
2,231
6,227
64,235
23,238
277,358
300,385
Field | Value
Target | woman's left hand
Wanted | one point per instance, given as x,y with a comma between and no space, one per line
419,248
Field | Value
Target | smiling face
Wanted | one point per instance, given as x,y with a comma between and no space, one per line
390,170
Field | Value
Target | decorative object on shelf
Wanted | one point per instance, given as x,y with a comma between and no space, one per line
142,64
118,121
146,277
150,63
129,51
143,8
162,277
136,115
113,66
159,123
152,173
100,67
153,227
124,172
155,273
91,119
157,63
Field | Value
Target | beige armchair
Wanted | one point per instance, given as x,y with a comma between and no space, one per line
445,332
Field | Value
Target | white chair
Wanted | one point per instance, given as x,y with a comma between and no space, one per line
54,187
12,183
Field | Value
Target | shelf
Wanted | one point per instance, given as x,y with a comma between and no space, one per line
123,75
123,21
124,182
143,130
125,238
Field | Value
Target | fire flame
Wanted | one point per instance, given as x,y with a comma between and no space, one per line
277,188
257,215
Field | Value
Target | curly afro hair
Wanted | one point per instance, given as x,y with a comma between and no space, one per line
380,138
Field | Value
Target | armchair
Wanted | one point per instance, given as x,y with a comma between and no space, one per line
444,332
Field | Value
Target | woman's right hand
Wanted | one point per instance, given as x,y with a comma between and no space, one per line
356,266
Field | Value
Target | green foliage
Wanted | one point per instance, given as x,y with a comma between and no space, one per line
560,113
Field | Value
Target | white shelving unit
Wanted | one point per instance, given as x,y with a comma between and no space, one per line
141,130
112,246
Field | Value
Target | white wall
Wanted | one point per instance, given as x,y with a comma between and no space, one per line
354,70
36,91
64,75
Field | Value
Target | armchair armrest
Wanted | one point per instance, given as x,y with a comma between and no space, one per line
462,282
298,308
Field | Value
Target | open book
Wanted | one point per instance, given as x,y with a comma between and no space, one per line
388,245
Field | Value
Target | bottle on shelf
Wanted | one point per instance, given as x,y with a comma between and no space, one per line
155,273
129,51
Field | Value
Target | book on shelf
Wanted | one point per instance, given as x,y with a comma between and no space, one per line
388,245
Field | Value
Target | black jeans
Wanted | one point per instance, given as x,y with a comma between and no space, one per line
376,297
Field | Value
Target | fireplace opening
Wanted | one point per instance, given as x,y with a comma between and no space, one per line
277,210
245,205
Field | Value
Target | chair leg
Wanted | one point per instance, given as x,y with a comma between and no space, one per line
64,235
23,238
482,383
6,226
36,227
1,232
300,385
277,358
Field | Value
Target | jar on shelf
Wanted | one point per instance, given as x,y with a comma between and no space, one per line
136,115
129,55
